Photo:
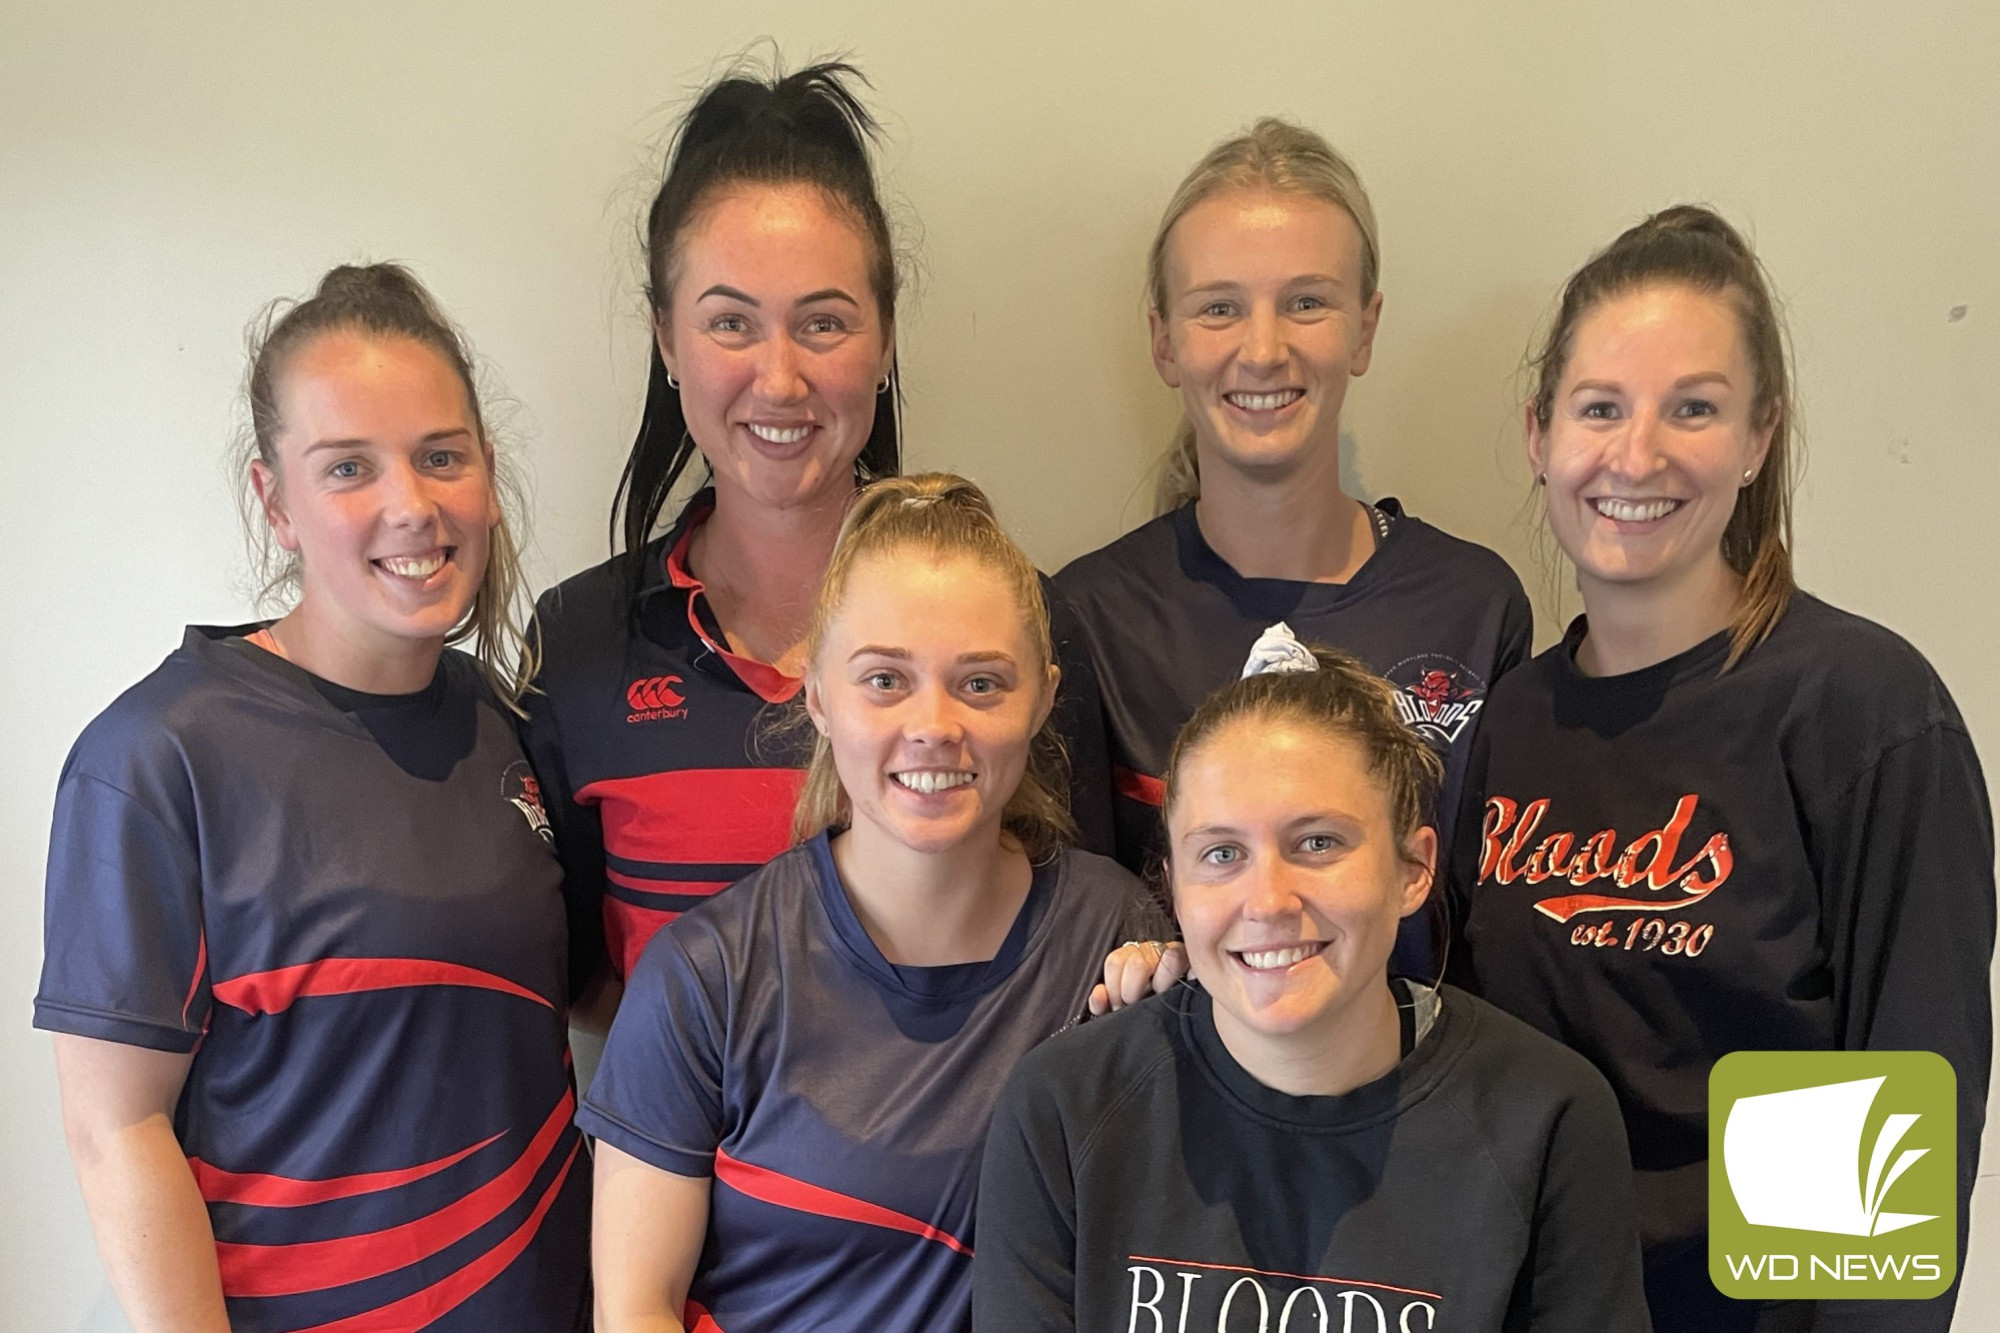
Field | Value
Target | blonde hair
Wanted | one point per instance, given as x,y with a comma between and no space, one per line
937,516
1690,246
1277,155
383,301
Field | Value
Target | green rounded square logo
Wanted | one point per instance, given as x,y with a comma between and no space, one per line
1832,1175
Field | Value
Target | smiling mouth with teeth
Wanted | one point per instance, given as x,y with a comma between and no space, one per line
415,566
1264,960
779,434
930,781
1634,511
1263,402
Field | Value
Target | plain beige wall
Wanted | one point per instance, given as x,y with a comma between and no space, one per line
166,168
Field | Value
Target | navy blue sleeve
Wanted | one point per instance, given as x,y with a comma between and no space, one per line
124,957
1079,720
658,1093
1024,1256
1517,634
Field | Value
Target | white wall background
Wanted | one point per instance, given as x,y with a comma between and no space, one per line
164,169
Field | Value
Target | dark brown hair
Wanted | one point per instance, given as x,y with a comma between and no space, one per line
1693,247
1343,699
804,128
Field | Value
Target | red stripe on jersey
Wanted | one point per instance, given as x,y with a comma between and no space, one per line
698,815
769,1186
628,928
1138,786
420,1309
194,986
274,991
266,1191
771,685
286,1270
695,1318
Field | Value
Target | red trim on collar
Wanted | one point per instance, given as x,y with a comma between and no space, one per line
769,684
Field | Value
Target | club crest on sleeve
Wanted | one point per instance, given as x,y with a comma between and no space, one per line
654,698
524,793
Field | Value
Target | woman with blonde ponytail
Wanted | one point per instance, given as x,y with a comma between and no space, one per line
1720,815
1263,283
795,1094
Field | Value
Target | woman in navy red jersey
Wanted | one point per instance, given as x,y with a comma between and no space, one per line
1299,1139
1720,814
1264,304
305,931
773,289
794,1097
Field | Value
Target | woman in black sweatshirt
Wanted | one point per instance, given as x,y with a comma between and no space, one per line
1720,814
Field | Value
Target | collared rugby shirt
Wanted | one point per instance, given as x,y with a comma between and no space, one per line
364,956
673,764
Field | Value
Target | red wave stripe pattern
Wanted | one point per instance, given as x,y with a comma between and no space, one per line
194,986
769,1186
699,815
1138,786
286,1270
274,991
422,1308
265,1191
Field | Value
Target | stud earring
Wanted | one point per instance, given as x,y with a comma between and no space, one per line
1749,475
1541,479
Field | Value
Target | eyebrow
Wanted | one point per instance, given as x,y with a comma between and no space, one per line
435,437
727,292
903,654
1230,284
1684,382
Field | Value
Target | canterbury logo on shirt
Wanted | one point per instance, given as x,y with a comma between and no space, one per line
1647,874
654,698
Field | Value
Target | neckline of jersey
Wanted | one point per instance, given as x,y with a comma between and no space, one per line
1704,658
942,986
764,680
1280,597
1415,1076
225,648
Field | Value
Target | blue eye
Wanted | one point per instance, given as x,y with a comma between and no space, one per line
1223,854
347,469
1216,310
1318,843
982,685
880,680
441,458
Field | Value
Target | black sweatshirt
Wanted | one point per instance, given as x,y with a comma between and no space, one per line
1676,863
1138,1178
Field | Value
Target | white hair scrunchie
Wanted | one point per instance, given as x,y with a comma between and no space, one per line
1278,649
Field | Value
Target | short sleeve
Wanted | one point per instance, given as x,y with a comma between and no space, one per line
124,953
658,1094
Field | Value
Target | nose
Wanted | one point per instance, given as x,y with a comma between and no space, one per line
1269,890
933,717
780,371
406,496
1263,340
1634,453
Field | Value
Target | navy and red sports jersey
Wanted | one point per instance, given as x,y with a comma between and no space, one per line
671,772
838,1101
1169,622
367,962
1664,866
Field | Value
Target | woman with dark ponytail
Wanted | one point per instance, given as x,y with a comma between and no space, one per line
772,282
305,930
1720,815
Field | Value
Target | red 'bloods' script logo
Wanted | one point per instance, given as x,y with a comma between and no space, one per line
1642,870
654,698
